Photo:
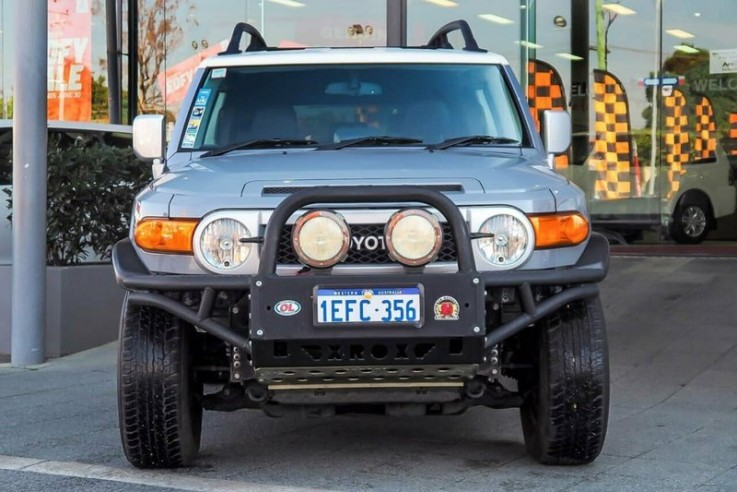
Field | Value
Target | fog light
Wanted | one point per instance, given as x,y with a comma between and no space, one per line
321,238
413,237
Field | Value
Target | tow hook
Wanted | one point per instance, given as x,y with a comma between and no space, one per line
475,389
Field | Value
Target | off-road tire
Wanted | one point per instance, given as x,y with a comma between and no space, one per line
158,400
691,221
566,408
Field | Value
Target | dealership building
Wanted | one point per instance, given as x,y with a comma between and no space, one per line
651,84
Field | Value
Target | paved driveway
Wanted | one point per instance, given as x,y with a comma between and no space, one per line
673,342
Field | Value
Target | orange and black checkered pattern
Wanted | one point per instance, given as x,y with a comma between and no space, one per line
612,156
733,131
677,141
705,144
545,91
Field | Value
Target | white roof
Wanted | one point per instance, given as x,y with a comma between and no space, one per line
308,56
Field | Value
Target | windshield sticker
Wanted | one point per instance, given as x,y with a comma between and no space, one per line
202,97
188,141
218,73
193,127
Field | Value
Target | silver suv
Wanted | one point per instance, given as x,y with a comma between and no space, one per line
349,230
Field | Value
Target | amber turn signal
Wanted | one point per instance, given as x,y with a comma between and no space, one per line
558,230
165,235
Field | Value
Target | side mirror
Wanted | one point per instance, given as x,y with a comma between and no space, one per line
556,131
149,137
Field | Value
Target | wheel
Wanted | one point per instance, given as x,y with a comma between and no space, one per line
566,407
690,223
158,399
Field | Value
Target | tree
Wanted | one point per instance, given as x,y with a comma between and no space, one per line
158,34
7,107
100,110
604,21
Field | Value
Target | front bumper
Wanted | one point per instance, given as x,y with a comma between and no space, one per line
262,291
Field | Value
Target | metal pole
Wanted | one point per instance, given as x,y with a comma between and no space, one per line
113,74
528,19
29,184
579,95
132,59
396,22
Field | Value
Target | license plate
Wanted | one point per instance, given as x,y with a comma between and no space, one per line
375,305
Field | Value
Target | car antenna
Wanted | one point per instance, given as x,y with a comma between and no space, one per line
257,40
439,40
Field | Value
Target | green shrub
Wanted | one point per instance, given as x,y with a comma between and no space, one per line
90,195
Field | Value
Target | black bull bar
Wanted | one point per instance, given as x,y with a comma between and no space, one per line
579,280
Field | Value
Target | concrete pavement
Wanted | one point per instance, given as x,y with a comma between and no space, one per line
673,426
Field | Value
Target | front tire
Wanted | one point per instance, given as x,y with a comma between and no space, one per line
158,399
566,408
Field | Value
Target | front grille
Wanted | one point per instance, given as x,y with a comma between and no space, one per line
364,256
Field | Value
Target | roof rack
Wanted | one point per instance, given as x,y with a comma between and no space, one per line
257,41
440,38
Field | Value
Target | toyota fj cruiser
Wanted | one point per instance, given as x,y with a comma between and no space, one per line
370,229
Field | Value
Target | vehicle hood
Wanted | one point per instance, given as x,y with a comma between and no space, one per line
240,178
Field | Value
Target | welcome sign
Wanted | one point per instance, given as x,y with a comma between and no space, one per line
723,61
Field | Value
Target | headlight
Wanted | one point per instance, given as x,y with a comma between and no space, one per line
413,237
321,239
512,242
219,245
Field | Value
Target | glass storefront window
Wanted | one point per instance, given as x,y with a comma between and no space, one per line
499,26
655,112
77,75
203,30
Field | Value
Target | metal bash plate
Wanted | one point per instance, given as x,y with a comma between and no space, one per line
365,376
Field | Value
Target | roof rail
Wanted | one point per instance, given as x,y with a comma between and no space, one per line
440,38
257,41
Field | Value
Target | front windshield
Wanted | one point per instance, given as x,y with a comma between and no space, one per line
329,104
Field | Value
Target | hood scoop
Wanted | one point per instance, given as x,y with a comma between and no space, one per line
288,190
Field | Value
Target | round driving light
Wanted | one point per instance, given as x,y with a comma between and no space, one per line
413,237
220,244
321,239
511,242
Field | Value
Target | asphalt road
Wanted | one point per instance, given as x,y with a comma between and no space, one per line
673,424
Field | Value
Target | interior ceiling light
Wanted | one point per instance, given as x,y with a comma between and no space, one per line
529,44
288,3
684,48
680,33
569,56
496,19
443,3
617,8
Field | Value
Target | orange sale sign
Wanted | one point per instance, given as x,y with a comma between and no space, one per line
70,60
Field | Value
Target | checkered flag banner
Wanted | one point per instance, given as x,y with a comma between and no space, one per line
705,143
545,91
611,159
733,132
677,142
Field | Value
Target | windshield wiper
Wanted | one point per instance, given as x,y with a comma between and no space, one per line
472,140
264,143
371,141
